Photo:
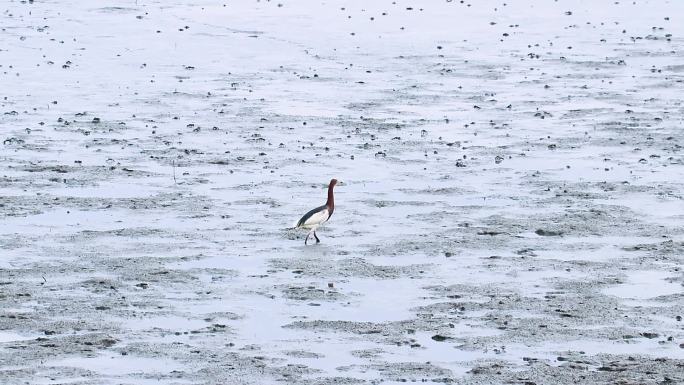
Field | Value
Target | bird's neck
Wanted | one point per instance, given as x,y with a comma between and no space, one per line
331,199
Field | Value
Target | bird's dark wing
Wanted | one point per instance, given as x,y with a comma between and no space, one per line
309,214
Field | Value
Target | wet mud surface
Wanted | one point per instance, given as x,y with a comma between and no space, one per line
512,209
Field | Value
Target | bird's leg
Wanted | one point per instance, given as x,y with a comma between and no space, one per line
307,237
317,240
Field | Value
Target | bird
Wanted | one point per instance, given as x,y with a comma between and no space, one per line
316,217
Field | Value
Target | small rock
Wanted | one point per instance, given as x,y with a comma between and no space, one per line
107,342
439,338
547,233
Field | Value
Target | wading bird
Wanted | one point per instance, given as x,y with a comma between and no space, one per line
316,217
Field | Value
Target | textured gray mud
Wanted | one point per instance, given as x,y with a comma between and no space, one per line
512,209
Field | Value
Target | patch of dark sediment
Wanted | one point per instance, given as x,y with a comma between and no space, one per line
386,332
221,362
406,371
90,241
311,292
388,203
570,310
589,190
667,247
46,175
221,368
371,124
130,287
498,230
596,219
346,267
75,376
444,243
373,353
448,191
48,346
26,205
338,380
578,367
302,354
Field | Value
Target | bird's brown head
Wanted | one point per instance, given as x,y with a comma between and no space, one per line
333,182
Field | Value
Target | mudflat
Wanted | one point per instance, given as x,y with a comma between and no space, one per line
511,210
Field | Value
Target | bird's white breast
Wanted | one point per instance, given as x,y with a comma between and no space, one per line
316,219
